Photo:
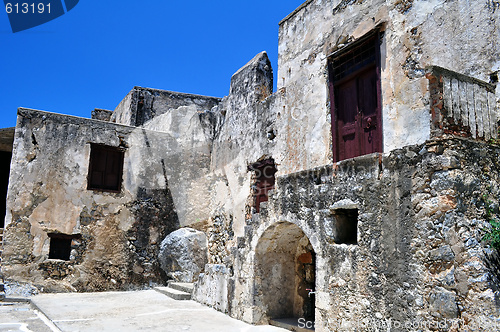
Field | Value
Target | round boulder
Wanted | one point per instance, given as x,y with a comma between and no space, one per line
183,254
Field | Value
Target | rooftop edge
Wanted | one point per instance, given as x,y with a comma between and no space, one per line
192,95
298,9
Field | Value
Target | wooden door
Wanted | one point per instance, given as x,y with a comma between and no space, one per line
356,102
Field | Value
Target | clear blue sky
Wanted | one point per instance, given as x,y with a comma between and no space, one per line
93,55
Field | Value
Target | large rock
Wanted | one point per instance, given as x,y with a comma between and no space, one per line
183,254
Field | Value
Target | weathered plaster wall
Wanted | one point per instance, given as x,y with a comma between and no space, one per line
306,38
419,257
120,232
189,121
123,113
189,149
461,106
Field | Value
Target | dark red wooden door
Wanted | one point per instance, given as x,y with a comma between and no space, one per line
358,127
356,102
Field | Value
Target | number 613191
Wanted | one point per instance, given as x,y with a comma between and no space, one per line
26,8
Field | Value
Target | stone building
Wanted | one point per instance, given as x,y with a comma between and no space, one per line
355,196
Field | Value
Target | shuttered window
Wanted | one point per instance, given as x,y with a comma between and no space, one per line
105,169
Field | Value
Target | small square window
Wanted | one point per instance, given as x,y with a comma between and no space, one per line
105,168
60,246
347,226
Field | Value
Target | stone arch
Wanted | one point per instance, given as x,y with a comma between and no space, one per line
284,269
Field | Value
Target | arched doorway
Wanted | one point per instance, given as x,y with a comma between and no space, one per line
285,274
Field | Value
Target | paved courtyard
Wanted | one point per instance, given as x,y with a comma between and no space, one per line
117,311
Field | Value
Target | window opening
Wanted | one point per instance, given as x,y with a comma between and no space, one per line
264,180
60,245
105,168
347,226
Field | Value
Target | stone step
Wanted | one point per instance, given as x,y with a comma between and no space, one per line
185,287
293,324
173,293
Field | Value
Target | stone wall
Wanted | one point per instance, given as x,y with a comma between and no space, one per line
101,114
218,296
418,259
117,234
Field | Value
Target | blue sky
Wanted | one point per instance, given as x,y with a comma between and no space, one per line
93,55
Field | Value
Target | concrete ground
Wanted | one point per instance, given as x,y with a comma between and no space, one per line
20,316
117,311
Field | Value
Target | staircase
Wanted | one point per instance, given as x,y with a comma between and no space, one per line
2,288
177,290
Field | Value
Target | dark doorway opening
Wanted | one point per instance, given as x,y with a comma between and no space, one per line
5,158
285,277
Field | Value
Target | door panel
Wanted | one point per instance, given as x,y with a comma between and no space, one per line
367,85
358,127
347,124
371,135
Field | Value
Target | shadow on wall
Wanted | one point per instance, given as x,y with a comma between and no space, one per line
5,158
